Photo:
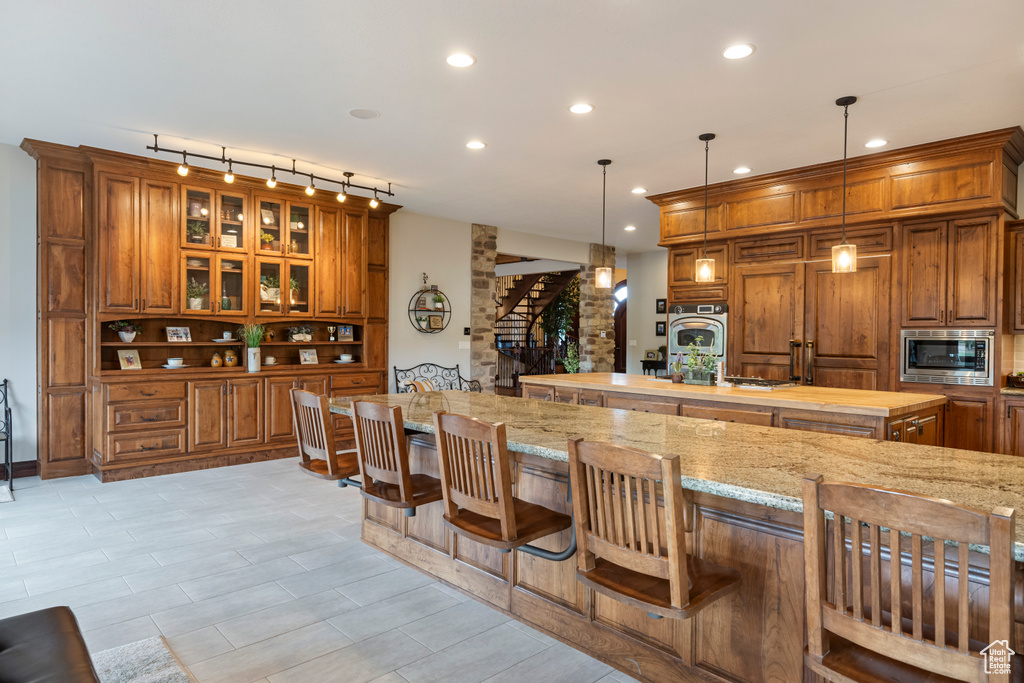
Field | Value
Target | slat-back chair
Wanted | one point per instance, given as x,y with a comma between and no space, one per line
476,480
317,453
855,634
384,459
630,548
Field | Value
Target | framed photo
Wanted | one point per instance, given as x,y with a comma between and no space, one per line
229,241
307,357
659,328
661,306
268,217
129,359
651,354
345,333
436,322
179,334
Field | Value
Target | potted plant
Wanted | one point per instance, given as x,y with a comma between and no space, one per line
196,231
194,292
438,302
572,359
252,333
266,240
556,322
270,288
677,368
125,329
700,364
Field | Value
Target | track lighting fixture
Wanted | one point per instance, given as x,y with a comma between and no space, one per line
272,180
311,188
229,177
374,203
342,196
603,274
183,169
705,270
844,254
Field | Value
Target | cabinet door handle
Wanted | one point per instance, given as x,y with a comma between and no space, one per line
793,344
809,379
147,448
147,419
145,394
136,304
358,381
942,317
143,304
895,435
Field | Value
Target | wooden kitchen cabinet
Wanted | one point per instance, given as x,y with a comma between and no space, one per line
245,411
207,415
766,317
226,281
949,273
353,266
640,405
329,258
969,422
682,267
278,422
762,418
118,246
159,261
1011,431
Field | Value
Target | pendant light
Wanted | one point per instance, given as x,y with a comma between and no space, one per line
705,271
844,254
603,274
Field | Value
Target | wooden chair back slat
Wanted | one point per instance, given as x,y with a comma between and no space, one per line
380,442
475,469
313,431
908,636
617,514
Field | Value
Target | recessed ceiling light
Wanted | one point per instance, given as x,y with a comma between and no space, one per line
364,113
877,142
741,170
581,108
630,228
639,190
461,60
476,144
738,51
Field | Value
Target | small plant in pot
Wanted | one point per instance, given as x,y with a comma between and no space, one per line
196,231
125,329
438,302
252,333
266,241
194,292
700,364
571,362
677,368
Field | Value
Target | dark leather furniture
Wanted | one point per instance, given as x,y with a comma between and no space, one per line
44,647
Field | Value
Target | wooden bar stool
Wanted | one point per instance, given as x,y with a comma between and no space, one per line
384,460
630,549
476,479
318,455
857,630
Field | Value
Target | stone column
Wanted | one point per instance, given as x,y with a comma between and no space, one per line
483,356
597,353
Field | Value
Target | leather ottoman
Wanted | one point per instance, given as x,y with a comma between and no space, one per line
44,647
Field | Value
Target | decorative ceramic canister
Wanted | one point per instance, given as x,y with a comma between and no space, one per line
216,362
230,358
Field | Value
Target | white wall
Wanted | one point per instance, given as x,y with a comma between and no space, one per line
648,281
441,248
17,293
540,246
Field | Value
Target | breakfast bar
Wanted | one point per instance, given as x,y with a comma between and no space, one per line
745,482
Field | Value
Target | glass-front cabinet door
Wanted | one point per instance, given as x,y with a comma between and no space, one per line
271,232
233,293
197,218
269,296
233,234
300,243
300,292
197,281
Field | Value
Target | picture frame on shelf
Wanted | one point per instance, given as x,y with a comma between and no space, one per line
659,328
179,334
129,359
651,354
661,306
345,333
268,218
229,241
308,357
435,322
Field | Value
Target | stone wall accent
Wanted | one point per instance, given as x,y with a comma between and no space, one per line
597,354
483,355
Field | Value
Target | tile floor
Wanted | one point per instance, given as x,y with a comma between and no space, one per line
256,573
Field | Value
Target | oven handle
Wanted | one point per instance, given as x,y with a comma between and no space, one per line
809,379
794,344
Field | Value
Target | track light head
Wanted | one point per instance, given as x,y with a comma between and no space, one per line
272,180
374,203
229,177
183,169
311,188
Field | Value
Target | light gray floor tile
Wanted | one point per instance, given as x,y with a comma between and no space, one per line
184,571
288,616
72,597
385,615
279,532
299,543
169,544
270,656
360,662
113,611
82,559
236,579
119,634
392,677
68,578
7,559
335,575
618,677
557,664
384,586
187,618
448,590
45,548
475,659
195,646
444,629
332,554
532,632
12,589
210,545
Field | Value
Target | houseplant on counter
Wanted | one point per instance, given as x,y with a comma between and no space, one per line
700,364
194,292
125,329
677,368
252,333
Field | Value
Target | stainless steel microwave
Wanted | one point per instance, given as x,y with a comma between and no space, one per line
947,356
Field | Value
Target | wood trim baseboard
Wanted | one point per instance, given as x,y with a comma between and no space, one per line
20,469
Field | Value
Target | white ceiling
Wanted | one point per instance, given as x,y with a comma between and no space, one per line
280,77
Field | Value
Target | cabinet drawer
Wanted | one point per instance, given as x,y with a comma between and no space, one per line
368,381
641,406
141,446
748,417
123,417
591,397
136,390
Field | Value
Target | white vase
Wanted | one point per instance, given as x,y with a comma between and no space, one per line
252,359
126,336
438,305
195,304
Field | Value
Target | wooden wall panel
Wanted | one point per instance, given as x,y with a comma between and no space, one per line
868,241
67,362
65,276
1009,193
762,211
65,436
65,202
941,185
158,238
118,243
827,202
680,222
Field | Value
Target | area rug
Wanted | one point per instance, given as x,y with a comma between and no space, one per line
144,661
5,495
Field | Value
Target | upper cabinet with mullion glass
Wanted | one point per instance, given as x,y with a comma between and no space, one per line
197,218
233,231
300,233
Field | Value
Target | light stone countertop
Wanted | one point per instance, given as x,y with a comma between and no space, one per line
760,465
1011,391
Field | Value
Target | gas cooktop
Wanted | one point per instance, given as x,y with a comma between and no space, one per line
758,383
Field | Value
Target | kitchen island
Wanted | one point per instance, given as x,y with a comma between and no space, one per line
884,415
745,482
